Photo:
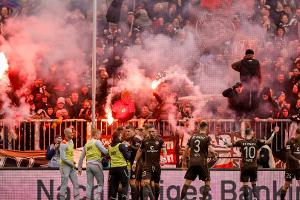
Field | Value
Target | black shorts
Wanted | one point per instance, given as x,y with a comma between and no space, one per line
152,173
139,171
201,171
137,174
248,174
292,173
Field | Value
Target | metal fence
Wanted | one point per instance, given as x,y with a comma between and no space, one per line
39,134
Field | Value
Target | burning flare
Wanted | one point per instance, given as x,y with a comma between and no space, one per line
109,116
3,65
155,83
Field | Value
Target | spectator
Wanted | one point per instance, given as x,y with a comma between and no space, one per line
280,84
102,88
62,114
60,104
43,103
145,113
295,24
238,99
249,69
278,145
73,105
84,94
280,40
50,112
85,111
267,107
284,23
281,102
52,154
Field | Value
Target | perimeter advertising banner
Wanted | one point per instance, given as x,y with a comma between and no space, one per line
44,185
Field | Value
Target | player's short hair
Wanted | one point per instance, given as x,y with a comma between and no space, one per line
149,126
95,132
67,131
203,124
129,126
248,131
57,136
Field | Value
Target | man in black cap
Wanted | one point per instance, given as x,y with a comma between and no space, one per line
250,74
248,67
238,99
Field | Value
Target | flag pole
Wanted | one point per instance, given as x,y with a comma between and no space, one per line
94,55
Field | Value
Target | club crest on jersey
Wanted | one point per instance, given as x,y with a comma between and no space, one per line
157,143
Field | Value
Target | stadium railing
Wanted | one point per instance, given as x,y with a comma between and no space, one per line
39,134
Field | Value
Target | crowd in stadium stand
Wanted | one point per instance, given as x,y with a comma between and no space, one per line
279,96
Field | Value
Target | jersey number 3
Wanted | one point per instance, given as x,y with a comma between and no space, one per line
197,146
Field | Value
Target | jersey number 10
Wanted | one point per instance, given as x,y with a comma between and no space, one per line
250,152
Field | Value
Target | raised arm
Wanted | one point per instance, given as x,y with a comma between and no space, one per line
275,131
236,66
100,146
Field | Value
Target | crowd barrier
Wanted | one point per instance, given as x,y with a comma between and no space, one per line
36,135
44,184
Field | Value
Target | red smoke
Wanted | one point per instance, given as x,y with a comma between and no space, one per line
215,4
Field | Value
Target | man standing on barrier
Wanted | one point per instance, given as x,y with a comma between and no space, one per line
199,146
118,172
151,147
292,169
92,151
67,166
249,147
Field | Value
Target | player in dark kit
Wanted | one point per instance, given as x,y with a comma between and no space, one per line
151,147
292,169
199,147
135,144
249,148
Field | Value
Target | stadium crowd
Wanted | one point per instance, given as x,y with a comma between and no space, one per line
274,95
279,56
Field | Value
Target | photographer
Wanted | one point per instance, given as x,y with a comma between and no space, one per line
52,154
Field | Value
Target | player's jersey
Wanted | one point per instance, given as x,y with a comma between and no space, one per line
199,149
248,149
293,146
136,143
151,148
